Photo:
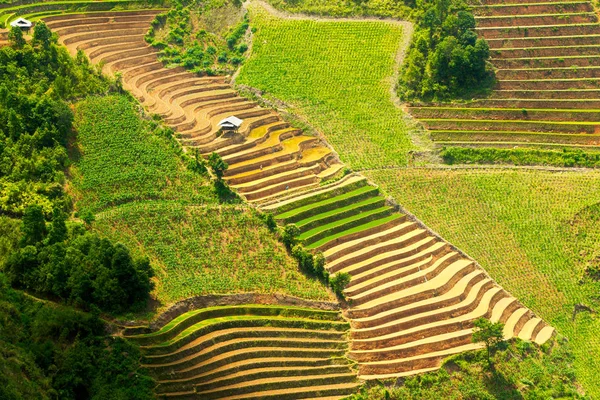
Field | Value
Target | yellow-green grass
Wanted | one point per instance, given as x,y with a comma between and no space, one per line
359,218
528,229
340,212
337,76
188,333
132,175
345,8
199,250
332,202
355,229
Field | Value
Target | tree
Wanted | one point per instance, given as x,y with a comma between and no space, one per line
15,37
269,220
289,235
490,333
58,229
34,226
305,259
217,165
319,265
339,281
42,34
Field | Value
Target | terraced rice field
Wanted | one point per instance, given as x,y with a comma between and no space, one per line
249,352
413,296
266,157
548,79
532,230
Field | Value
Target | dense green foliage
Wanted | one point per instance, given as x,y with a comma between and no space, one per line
564,158
78,267
535,232
337,77
206,37
445,59
161,204
522,371
49,352
36,80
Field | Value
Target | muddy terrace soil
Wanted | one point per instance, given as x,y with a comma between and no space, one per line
546,55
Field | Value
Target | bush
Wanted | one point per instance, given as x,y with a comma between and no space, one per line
269,221
564,158
201,51
217,165
338,282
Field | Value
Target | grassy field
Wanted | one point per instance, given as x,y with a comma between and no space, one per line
133,160
522,371
535,232
131,174
337,76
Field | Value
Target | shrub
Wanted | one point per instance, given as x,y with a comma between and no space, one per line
338,282
289,235
564,158
217,165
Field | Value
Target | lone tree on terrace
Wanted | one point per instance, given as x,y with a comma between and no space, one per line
490,333
217,164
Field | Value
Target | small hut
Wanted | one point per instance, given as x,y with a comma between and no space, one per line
230,124
21,23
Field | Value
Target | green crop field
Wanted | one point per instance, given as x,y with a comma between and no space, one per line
127,159
130,173
337,76
535,232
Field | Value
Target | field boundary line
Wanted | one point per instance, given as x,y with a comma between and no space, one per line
484,167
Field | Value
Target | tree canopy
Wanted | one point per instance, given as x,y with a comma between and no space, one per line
446,58
78,267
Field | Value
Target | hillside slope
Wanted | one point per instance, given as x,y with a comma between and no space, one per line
280,169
